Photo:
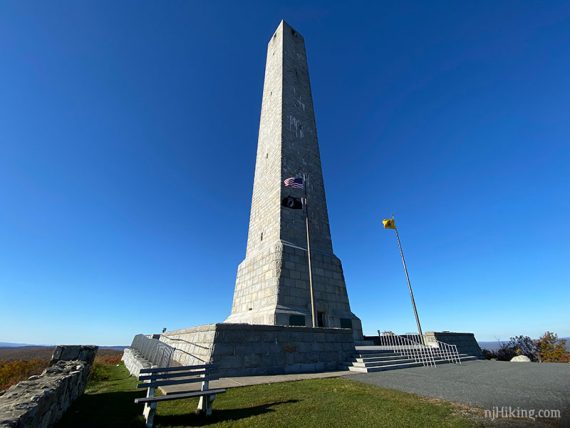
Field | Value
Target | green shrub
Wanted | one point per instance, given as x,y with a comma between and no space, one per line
100,372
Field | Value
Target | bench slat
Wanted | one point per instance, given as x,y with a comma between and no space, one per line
156,376
171,382
174,369
179,396
180,392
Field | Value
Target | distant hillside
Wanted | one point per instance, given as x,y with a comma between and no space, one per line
26,353
14,345
491,346
27,345
495,345
45,352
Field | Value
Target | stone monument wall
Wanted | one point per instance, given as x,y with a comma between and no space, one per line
466,342
42,400
192,345
250,349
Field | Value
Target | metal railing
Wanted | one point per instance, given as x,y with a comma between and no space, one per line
408,348
448,352
415,348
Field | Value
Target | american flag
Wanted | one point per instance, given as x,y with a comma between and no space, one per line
294,182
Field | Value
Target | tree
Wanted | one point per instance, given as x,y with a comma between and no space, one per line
551,349
506,352
524,345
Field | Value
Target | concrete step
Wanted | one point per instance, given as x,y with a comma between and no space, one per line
468,357
377,349
377,355
387,355
364,343
393,362
439,361
374,351
381,363
357,369
381,358
384,367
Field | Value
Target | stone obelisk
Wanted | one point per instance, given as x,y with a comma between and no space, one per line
272,285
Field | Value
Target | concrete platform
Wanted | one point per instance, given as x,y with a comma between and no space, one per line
232,382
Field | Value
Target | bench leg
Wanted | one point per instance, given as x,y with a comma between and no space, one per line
205,403
149,409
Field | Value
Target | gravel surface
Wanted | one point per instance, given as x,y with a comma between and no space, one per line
485,384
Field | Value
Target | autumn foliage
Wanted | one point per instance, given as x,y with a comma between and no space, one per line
108,357
548,349
17,364
551,349
13,371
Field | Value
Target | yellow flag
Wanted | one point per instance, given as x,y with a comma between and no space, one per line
389,223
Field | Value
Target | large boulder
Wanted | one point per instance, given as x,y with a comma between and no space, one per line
520,359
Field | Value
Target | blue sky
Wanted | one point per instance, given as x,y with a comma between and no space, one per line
128,134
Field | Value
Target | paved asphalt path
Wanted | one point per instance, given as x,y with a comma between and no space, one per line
485,384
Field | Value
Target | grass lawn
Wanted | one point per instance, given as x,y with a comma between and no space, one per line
332,402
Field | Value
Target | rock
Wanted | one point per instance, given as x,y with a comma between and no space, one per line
74,353
520,359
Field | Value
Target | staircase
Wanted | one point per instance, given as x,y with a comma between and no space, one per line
370,359
403,351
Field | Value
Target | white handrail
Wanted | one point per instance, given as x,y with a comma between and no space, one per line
413,348
408,348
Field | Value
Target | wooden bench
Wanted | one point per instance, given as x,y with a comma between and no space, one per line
164,376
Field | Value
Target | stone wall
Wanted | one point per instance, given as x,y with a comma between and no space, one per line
134,361
158,350
246,350
193,345
41,400
85,353
466,343
249,349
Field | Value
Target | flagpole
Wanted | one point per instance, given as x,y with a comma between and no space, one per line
305,185
409,285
